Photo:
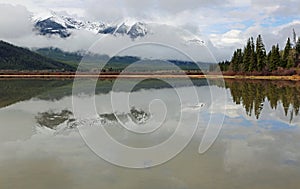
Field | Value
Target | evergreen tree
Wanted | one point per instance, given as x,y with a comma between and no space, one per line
291,59
224,66
236,60
277,57
274,58
268,60
239,58
252,63
260,54
286,53
290,63
233,62
294,38
297,50
247,56
298,46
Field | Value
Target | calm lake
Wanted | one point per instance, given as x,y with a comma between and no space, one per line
258,146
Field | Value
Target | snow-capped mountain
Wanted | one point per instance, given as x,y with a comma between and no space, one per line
64,25
50,27
139,29
72,34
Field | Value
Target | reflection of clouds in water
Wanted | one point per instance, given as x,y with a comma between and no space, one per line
264,159
71,151
50,161
259,149
65,162
239,156
245,153
15,125
230,109
34,173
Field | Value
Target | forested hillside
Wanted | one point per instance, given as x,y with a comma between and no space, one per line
18,58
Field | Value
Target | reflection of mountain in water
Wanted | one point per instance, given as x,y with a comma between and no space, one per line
138,116
54,120
252,95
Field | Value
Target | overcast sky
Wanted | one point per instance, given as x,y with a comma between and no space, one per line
227,23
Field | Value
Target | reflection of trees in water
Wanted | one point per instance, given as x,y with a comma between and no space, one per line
16,90
252,95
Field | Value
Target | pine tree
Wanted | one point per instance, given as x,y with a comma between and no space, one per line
252,63
298,46
233,62
247,56
297,51
274,58
277,57
290,62
286,53
291,59
294,38
239,58
268,63
236,60
260,54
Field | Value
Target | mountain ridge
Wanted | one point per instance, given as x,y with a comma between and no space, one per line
17,58
63,26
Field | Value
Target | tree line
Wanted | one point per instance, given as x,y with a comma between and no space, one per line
253,58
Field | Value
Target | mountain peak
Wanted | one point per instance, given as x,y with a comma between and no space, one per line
50,27
55,24
139,29
63,25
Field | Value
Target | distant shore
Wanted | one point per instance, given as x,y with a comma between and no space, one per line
112,75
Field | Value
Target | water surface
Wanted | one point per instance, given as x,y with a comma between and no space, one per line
258,147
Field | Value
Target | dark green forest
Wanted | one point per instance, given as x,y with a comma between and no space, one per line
253,59
18,58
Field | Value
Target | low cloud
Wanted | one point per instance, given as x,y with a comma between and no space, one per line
228,23
79,40
15,21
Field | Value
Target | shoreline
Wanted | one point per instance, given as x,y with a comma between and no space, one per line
141,75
